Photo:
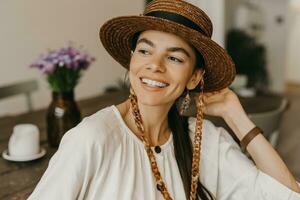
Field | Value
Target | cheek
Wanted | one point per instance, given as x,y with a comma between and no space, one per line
135,62
181,76
133,79
134,68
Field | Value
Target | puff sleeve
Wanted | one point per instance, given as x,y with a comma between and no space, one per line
70,170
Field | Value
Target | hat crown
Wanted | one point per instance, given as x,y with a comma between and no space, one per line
185,9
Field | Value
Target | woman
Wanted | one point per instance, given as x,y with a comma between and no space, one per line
143,148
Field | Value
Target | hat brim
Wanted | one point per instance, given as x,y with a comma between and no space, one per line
116,35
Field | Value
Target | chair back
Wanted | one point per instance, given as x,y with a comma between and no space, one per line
26,88
269,121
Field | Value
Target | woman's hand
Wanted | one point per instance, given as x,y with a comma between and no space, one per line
221,103
225,104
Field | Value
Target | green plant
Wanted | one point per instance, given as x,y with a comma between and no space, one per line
249,57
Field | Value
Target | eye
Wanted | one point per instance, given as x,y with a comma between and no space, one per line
143,51
174,59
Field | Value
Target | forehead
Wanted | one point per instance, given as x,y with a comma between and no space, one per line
165,39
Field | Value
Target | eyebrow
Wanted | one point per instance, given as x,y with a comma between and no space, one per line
171,49
176,49
144,40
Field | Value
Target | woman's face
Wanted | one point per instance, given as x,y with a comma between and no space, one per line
161,67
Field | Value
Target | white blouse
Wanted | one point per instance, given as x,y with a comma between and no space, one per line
102,158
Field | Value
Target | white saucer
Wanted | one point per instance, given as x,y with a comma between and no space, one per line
6,156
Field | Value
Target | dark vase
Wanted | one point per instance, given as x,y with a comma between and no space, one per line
63,114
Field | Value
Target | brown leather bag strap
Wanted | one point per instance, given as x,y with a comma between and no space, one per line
250,136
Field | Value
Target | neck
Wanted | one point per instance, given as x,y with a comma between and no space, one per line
155,122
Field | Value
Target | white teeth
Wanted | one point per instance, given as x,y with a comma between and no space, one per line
154,83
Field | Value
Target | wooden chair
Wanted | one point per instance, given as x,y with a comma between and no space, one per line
26,88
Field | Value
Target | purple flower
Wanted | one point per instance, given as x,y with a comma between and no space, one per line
48,68
67,57
62,67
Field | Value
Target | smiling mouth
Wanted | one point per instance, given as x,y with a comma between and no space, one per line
153,83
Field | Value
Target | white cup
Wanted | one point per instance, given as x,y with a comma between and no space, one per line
24,141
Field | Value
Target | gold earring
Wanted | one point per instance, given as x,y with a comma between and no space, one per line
199,101
131,52
185,103
131,91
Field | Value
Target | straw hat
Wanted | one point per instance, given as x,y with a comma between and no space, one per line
177,17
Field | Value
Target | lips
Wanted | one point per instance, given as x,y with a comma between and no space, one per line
153,82
154,79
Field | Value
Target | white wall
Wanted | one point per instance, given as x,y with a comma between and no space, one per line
230,8
293,48
215,10
273,35
29,28
275,38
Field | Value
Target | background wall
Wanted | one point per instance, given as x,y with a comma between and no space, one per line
29,28
275,38
215,10
293,48
271,15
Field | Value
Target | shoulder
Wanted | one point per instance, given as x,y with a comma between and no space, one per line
94,129
90,140
210,133
208,128
212,136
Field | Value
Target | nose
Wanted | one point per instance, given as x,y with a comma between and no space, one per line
156,64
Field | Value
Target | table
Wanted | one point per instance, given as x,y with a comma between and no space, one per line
17,180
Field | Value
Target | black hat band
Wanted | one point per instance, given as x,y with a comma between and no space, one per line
177,18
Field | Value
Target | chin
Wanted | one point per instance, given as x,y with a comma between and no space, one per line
152,99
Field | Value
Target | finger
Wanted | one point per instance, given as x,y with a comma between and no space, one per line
225,90
208,94
214,94
210,99
217,92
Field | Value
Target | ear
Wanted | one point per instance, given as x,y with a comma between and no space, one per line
195,79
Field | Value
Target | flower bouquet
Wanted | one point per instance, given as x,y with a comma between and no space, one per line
63,69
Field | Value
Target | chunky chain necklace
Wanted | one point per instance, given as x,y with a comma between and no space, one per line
196,148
